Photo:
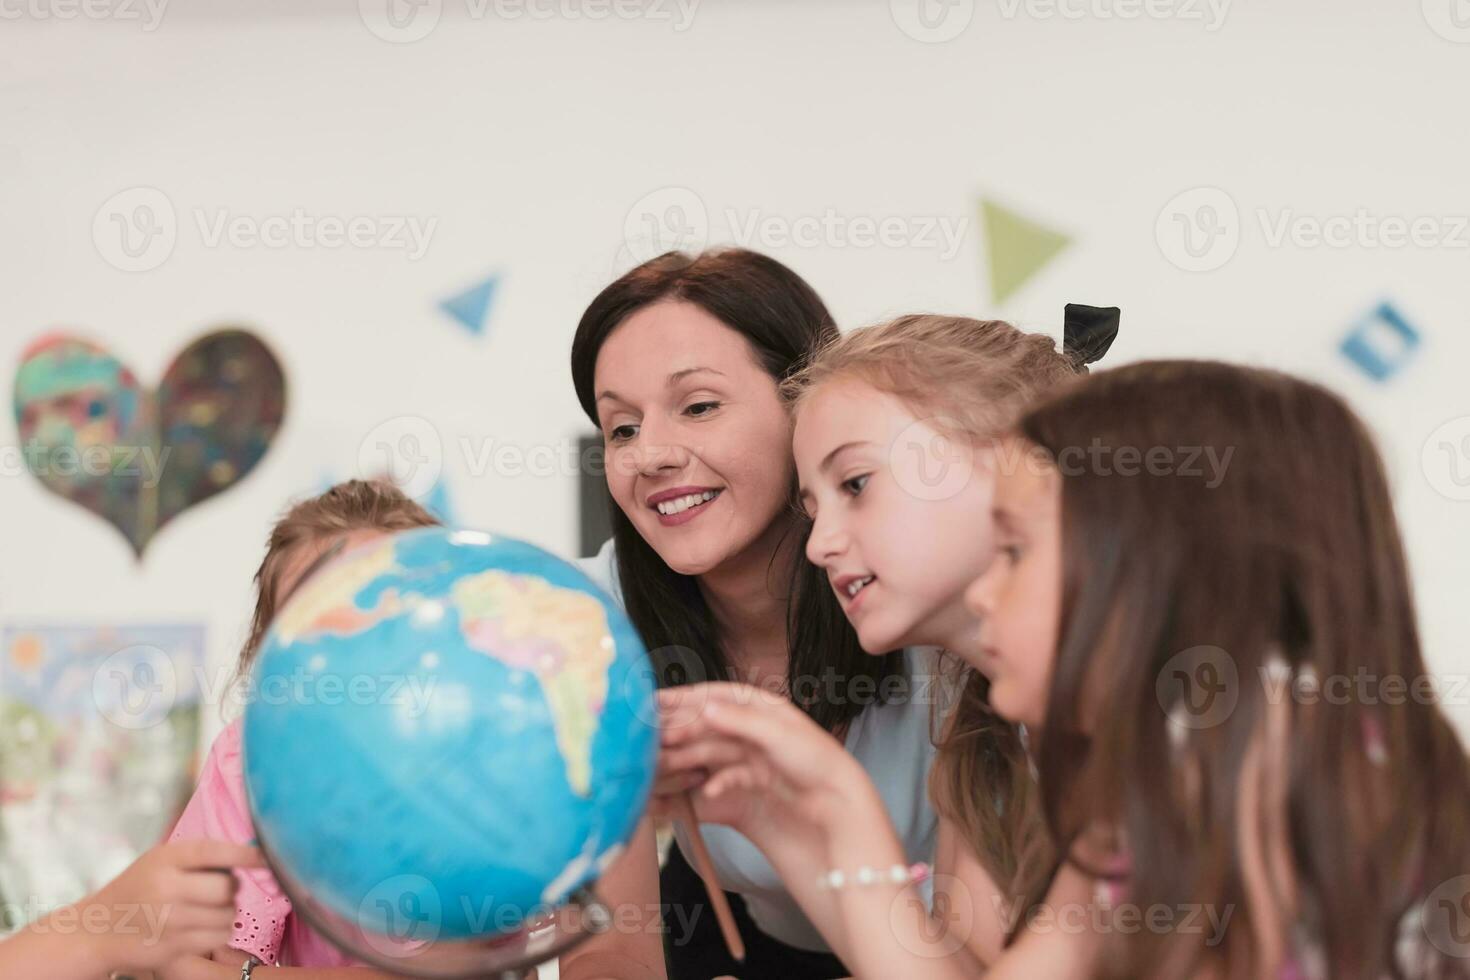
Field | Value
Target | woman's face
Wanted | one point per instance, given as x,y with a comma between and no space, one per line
901,514
1019,598
698,441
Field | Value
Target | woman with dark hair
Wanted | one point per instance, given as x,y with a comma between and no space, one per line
679,364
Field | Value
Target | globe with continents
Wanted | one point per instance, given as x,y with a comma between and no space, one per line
447,733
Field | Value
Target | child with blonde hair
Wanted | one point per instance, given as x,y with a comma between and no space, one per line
265,929
892,436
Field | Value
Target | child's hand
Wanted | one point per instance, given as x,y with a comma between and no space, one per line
177,899
757,763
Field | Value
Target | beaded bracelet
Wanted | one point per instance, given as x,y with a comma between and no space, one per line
896,874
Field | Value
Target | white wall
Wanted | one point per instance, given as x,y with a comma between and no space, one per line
529,141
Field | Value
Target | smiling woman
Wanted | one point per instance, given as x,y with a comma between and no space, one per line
679,443
679,363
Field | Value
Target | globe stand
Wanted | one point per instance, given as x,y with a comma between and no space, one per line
512,956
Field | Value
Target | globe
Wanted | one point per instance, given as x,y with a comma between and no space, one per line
447,735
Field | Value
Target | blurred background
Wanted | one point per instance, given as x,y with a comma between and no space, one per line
298,242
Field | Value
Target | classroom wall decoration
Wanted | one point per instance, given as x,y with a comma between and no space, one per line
439,502
136,457
1016,247
471,308
99,729
1380,342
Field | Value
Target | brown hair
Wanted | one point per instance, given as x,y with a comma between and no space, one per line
1289,564
355,505
973,377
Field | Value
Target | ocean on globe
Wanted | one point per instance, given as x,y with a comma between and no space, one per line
449,729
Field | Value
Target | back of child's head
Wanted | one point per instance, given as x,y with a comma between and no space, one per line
1219,611
972,378
317,523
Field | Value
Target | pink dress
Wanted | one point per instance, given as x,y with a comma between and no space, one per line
264,924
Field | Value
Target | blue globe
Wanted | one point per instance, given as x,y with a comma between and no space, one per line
447,733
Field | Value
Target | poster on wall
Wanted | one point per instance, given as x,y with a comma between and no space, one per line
99,728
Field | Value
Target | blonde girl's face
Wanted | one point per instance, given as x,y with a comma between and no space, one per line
1019,597
900,515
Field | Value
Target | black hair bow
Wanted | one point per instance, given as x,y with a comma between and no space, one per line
1089,331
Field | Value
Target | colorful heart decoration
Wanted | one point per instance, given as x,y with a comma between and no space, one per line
138,458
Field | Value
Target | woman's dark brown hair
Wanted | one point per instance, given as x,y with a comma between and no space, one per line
1320,824
783,320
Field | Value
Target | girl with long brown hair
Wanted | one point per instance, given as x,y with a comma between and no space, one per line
1224,706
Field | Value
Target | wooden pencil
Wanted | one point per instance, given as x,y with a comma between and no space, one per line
684,813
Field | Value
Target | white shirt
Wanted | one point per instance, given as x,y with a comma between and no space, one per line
893,742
